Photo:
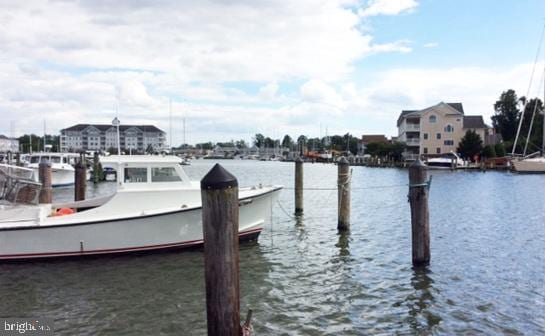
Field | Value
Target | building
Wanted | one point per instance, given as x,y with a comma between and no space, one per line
8,144
437,129
370,138
138,138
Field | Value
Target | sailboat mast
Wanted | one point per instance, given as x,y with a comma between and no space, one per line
170,122
543,109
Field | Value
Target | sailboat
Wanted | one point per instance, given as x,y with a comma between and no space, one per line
535,162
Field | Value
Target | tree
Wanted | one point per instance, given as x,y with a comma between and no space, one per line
396,150
489,151
259,140
470,145
533,108
505,120
499,148
241,144
302,143
287,142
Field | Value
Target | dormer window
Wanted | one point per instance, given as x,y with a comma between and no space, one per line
432,119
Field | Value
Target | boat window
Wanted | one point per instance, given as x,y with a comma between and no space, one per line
44,159
433,119
35,159
64,160
136,175
55,159
164,174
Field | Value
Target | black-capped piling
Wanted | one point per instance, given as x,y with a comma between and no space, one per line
220,216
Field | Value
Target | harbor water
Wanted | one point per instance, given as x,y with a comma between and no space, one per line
487,272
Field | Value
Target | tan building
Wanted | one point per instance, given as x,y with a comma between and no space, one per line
437,129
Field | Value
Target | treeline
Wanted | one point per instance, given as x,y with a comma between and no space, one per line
37,142
302,143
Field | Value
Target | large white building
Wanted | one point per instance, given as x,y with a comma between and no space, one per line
92,137
8,144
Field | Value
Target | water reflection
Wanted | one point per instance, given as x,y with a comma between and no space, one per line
344,244
421,319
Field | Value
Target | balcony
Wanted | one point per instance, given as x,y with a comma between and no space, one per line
413,142
412,127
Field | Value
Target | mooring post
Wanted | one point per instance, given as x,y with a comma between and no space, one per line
18,159
299,186
79,180
96,168
220,215
9,157
452,163
44,176
418,198
343,194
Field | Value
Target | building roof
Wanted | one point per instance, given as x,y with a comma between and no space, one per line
474,122
457,106
403,114
373,138
122,128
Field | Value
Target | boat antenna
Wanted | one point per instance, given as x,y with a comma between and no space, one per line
528,91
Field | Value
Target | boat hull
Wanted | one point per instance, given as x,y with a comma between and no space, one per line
168,230
530,166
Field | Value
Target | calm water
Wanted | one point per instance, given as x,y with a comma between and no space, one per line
487,274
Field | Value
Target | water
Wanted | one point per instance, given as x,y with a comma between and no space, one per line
487,273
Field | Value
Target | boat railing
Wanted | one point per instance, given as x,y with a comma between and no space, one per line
532,155
18,186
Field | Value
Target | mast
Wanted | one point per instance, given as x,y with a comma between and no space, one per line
170,122
44,136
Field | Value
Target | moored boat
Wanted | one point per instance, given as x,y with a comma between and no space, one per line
446,161
155,207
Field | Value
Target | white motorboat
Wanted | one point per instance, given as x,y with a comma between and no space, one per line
446,161
62,166
155,207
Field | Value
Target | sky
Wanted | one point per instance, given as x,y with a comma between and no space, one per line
232,68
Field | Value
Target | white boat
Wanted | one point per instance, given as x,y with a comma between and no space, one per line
62,166
155,207
446,162
530,165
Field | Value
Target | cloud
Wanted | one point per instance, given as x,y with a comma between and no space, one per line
431,45
401,46
388,7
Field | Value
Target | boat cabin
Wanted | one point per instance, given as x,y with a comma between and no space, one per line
65,158
147,171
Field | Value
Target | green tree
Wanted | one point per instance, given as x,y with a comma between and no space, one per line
506,117
489,151
287,142
533,108
396,150
470,145
499,148
302,143
259,140
241,144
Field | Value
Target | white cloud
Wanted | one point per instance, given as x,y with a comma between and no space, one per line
268,91
388,7
431,45
401,46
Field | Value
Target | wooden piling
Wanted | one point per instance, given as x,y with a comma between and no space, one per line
44,175
343,195
96,168
299,186
80,182
418,198
220,215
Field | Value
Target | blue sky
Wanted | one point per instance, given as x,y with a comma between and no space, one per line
275,67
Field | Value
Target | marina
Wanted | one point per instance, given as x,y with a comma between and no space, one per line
303,277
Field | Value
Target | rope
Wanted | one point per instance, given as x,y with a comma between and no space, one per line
361,188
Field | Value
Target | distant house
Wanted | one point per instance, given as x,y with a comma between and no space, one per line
370,138
437,129
102,137
8,144
220,151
